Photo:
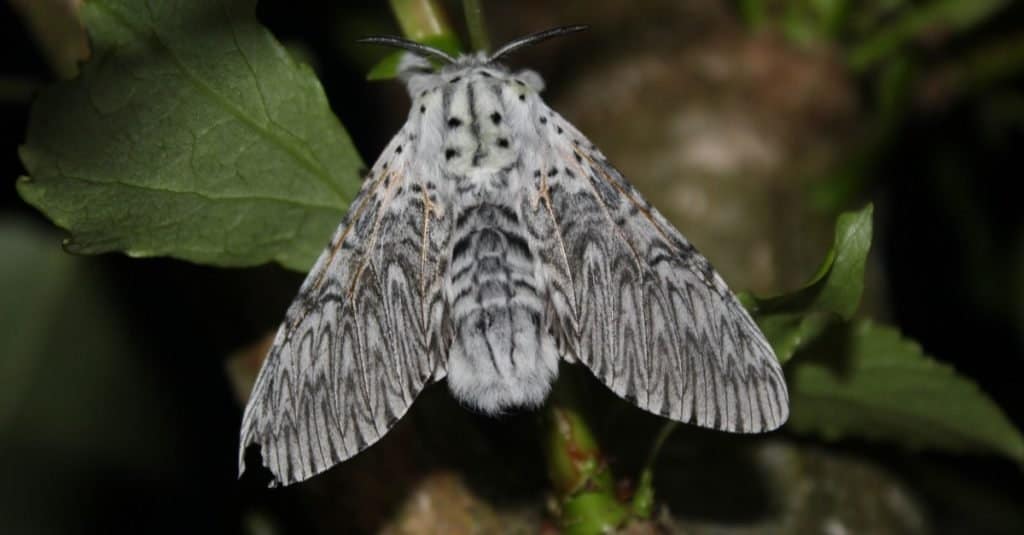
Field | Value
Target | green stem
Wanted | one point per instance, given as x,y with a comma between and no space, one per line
478,38
579,473
666,429
421,20
643,499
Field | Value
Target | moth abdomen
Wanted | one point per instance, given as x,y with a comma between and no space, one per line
500,357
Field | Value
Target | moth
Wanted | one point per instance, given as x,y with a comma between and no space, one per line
490,241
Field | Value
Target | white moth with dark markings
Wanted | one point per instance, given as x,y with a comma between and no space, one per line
490,241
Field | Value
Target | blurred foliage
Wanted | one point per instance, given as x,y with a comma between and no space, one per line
77,398
870,31
892,44
54,311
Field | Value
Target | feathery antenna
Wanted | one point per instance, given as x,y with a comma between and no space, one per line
535,38
411,46
516,44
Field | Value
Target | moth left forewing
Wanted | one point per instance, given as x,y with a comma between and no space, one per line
637,303
360,341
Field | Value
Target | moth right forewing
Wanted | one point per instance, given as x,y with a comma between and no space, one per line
654,322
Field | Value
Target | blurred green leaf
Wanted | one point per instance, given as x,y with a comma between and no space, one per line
752,12
980,68
421,19
876,384
790,321
78,402
798,26
851,177
803,22
191,133
830,14
72,380
938,16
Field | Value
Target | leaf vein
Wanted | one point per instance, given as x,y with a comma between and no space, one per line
304,160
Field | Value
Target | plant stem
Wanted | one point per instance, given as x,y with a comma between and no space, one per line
578,470
643,499
478,38
421,20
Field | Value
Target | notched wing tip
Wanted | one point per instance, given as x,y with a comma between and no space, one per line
252,467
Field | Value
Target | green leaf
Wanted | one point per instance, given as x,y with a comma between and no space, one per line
876,384
790,321
191,133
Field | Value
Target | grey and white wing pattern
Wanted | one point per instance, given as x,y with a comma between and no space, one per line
635,302
362,338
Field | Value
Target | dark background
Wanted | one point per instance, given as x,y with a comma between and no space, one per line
948,245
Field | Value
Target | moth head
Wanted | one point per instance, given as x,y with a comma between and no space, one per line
418,73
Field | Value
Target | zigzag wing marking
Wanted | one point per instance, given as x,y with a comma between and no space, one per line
362,338
637,304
